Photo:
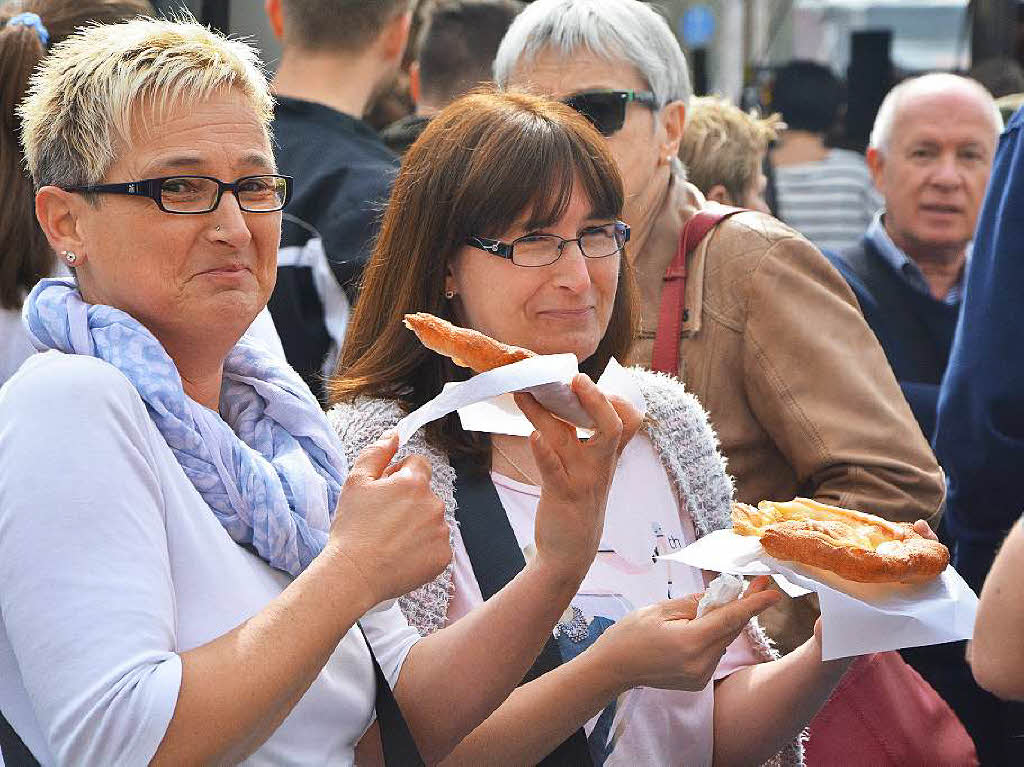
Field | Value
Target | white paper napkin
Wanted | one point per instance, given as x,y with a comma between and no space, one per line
485,401
535,371
857,618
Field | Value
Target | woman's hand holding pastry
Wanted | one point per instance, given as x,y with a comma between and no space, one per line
667,647
389,529
575,478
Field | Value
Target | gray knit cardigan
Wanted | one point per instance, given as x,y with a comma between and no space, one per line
679,430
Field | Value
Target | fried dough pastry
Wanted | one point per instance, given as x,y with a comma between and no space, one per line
854,545
467,348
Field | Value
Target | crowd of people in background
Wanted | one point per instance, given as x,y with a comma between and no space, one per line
205,517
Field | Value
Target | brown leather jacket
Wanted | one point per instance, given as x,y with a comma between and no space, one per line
804,402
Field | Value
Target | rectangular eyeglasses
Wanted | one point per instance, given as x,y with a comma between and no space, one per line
543,249
201,194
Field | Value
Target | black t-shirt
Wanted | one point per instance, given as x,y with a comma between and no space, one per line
343,175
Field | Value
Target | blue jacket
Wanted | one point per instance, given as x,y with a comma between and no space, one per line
979,436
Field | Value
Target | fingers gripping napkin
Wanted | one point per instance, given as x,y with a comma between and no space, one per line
502,369
854,545
720,592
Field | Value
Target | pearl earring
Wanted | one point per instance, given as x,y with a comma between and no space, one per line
70,257
449,294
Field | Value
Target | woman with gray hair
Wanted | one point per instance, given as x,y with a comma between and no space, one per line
182,559
746,312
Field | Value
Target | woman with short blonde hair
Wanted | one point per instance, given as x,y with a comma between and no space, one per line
199,576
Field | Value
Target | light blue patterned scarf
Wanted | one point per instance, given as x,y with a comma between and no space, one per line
268,466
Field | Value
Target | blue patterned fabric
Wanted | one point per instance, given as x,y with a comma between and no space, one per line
268,464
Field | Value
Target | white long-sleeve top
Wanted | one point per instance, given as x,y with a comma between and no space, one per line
111,564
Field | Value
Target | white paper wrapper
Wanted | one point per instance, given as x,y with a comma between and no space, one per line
721,591
857,618
536,371
485,401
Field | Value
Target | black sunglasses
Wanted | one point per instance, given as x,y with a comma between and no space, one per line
265,193
607,109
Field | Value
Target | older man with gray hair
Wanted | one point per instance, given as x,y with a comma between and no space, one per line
930,156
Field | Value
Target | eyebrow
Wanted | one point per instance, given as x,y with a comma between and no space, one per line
190,162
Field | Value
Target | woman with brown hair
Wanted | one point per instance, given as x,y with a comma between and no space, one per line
27,29
504,219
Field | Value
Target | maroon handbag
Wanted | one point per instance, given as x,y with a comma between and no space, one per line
884,713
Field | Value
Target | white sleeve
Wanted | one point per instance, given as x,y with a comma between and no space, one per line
85,583
391,637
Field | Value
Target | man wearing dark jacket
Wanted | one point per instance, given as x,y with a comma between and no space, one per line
930,157
337,56
980,433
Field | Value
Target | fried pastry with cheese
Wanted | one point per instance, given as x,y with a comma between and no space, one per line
854,545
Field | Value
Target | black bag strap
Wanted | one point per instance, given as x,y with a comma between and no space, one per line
497,559
12,748
397,742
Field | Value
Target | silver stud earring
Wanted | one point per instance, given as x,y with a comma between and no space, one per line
70,257
449,294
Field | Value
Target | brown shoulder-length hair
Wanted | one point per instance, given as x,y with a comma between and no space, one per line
25,255
481,163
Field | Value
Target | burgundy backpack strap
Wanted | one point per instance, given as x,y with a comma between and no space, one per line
673,292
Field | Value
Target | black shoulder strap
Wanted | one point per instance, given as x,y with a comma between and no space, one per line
398,744
497,559
13,750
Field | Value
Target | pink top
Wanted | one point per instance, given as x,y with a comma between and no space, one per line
645,725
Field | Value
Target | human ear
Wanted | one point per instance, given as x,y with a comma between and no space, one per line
58,214
450,282
275,16
719,194
395,36
673,120
415,85
876,164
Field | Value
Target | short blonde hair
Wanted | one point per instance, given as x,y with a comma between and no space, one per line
724,145
86,92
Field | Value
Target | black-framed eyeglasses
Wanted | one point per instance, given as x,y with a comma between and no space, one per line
265,193
543,249
607,109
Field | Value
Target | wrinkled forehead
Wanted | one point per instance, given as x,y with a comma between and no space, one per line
172,123
554,73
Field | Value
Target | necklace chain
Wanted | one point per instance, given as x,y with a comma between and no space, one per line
513,464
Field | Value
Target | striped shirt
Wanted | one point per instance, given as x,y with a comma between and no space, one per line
830,201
